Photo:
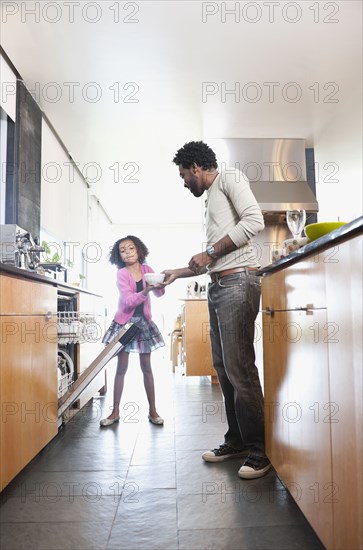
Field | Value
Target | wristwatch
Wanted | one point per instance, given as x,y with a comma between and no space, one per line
211,252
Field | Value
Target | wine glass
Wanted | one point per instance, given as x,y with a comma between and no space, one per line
295,220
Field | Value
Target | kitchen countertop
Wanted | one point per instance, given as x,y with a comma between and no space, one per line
333,238
34,276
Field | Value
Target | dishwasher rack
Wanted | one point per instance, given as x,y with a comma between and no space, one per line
76,327
65,372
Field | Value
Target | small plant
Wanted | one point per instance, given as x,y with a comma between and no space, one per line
55,259
71,264
48,258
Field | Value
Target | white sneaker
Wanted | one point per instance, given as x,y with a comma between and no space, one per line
224,452
254,467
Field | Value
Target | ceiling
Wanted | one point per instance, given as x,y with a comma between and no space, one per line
125,84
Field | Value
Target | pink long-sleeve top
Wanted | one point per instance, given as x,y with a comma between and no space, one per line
129,299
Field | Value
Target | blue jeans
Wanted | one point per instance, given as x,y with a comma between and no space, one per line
233,304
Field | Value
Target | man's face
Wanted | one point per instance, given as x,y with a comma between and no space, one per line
192,178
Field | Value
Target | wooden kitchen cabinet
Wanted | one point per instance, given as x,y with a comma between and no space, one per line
196,350
296,382
28,372
312,345
41,318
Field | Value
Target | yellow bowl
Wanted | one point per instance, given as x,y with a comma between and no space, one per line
316,230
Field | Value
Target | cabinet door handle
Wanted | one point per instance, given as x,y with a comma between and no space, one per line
48,316
309,308
269,311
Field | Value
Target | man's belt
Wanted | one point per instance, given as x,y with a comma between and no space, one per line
220,274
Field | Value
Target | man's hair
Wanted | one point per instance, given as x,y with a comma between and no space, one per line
196,152
115,257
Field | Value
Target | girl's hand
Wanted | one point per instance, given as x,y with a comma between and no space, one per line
147,289
153,286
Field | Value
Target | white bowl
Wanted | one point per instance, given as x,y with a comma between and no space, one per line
154,278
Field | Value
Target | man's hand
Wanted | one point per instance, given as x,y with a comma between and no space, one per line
172,274
199,262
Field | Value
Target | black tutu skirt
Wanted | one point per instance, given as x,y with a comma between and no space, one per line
148,338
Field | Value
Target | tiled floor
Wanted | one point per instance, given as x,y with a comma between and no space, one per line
138,486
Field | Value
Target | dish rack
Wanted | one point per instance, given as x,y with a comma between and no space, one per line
65,372
76,327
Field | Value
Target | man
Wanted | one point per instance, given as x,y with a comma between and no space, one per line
232,218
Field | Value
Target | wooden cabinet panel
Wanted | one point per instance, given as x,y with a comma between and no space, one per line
296,411
275,351
20,296
295,287
343,272
28,373
197,355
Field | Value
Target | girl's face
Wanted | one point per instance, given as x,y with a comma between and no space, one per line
128,252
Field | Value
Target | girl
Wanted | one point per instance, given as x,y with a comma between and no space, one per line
129,254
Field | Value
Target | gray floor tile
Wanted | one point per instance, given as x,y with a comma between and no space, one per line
198,442
153,477
147,456
75,483
91,506
201,425
282,537
54,536
237,509
146,521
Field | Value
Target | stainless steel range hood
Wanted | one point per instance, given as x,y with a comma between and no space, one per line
276,169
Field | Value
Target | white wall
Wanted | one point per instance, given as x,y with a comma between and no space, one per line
7,89
64,202
8,108
71,219
98,268
338,157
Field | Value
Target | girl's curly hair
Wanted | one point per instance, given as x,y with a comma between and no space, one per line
115,257
196,152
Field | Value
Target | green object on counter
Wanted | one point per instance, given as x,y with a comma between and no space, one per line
316,230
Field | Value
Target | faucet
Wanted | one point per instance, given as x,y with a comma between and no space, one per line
28,251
